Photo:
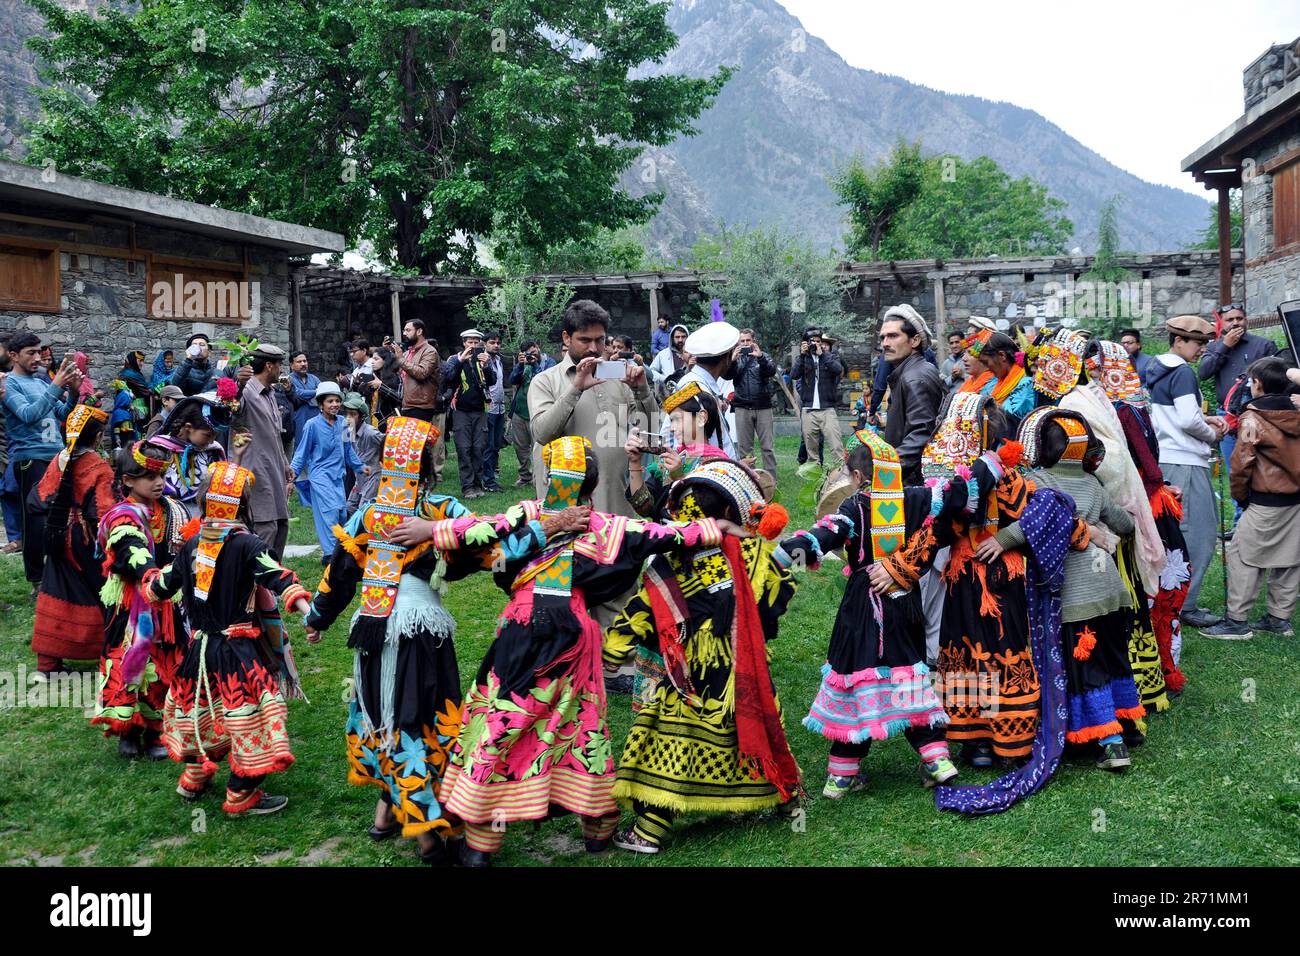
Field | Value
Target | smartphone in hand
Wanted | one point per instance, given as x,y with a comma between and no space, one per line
613,371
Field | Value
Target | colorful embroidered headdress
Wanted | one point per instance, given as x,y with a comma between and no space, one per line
79,418
565,460
154,466
888,525
1059,363
974,344
1081,447
738,485
960,439
396,498
684,394
227,484
1111,368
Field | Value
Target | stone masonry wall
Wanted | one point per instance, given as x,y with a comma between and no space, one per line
105,303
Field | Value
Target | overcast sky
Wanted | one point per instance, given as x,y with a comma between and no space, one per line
1142,83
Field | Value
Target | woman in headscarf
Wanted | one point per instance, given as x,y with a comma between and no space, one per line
87,390
228,696
405,706
990,685
162,369
1112,370
189,431
383,393
534,733
1096,604
1140,555
143,644
75,492
708,736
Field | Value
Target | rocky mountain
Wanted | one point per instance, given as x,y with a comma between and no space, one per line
794,109
791,113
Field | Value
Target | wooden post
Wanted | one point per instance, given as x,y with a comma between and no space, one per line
940,320
295,303
653,288
395,306
1225,246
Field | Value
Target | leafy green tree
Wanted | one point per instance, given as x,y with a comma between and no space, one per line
1209,237
604,251
776,283
416,126
876,197
521,310
970,210
1104,300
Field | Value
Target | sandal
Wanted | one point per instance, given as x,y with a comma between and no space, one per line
379,834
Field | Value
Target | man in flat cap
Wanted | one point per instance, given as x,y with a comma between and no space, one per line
465,384
260,414
1187,439
817,370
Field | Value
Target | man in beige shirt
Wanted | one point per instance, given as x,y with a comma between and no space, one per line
568,399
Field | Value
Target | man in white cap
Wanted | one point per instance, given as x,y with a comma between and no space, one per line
713,346
915,390
465,384
324,451
260,415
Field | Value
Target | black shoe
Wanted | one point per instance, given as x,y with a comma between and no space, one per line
1198,617
379,834
128,746
598,846
1114,757
268,804
437,854
619,684
1273,625
1134,737
1228,630
471,857
491,489
156,752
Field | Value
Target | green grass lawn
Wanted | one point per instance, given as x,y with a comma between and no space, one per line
1215,784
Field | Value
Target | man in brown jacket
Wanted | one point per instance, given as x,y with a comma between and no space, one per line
1265,472
421,383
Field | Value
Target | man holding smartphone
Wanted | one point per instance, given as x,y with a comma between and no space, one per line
753,400
569,399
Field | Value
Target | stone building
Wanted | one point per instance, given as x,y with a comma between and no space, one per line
105,270
1042,290
1259,152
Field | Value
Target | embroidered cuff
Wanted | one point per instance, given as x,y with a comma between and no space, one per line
292,593
705,531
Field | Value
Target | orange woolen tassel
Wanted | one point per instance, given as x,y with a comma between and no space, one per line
1087,641
190,528
774,521
1011,453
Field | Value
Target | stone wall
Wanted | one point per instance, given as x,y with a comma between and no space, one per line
104,302
1270,278
1270,71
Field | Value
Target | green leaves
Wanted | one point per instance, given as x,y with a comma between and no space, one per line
943,207
418,128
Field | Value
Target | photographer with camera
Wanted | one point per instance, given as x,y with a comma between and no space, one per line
528,363
752,376
817,369
496,412
466,383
